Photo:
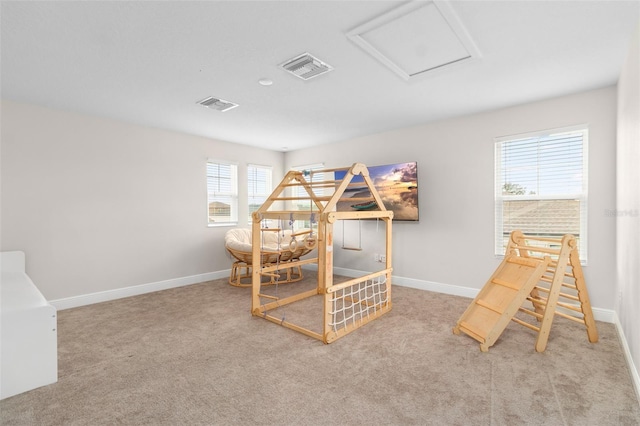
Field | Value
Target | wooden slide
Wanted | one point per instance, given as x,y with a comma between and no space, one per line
499,300
544,272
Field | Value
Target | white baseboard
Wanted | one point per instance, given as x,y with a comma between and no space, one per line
604,315
105,296
635,377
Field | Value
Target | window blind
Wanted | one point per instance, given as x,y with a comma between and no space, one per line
259,186
299,191
222,193
541,186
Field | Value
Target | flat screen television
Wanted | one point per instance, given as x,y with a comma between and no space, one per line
397,185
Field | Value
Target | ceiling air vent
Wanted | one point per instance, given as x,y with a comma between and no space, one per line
306,66
217,104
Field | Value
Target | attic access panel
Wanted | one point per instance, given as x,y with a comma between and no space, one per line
416,38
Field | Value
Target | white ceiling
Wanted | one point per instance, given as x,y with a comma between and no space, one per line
150,62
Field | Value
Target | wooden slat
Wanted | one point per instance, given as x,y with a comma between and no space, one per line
489,306
523,261
473,331
504,283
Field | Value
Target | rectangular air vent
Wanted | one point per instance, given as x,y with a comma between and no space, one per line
306,66
217,104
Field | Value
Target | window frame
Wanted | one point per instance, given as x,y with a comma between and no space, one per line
581,195
232,194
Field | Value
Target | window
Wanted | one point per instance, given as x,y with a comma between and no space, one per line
259,186
299,191
222,193
541,186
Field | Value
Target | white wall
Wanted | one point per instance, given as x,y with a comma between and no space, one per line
99,205
628,204
454,239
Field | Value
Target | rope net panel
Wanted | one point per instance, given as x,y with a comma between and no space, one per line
358,302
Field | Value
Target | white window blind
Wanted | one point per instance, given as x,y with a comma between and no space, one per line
222,193
299,191
541,186
259,186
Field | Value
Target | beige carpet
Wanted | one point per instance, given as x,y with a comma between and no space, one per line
195,356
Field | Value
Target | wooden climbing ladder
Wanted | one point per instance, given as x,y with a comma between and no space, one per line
549,278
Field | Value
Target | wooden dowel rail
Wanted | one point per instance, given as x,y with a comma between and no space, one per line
526,324
565,295
269,274
268,296
374,214
325,184
353,281
328,183
539,249
570,317
545,239
543,301
320,171
286,215
570,307
285,301
287,265
307,198
571,286
357,199
530,312
291,326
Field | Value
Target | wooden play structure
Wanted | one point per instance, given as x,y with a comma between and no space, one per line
540,277
346,306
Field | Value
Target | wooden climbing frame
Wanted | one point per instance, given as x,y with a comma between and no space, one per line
548,282
348,305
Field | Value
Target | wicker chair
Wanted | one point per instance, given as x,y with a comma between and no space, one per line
277,248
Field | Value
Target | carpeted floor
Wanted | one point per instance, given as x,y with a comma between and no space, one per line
195,356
